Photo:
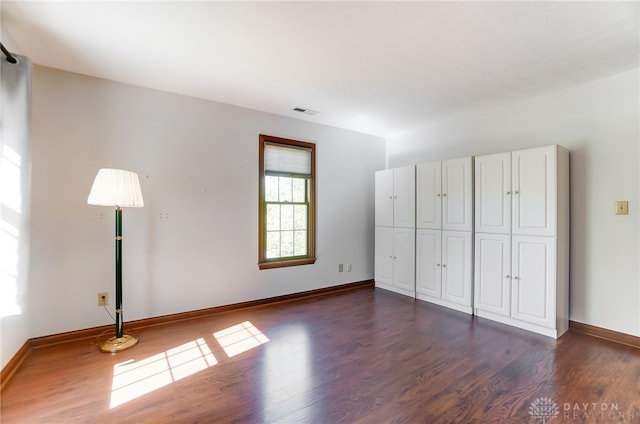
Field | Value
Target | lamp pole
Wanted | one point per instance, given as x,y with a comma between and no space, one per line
119,320
121,341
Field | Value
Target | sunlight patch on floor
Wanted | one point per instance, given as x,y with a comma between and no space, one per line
132,379
240,338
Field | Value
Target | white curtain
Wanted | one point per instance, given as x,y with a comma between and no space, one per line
15,118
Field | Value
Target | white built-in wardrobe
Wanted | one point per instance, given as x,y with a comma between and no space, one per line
395,230
487,235
444,240
522,239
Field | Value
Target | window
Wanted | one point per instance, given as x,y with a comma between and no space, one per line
286,218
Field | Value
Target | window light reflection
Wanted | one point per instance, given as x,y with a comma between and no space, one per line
10,225
286,375
132,379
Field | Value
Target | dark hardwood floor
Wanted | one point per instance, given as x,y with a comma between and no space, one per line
363,356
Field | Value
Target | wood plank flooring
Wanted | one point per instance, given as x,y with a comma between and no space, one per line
364,356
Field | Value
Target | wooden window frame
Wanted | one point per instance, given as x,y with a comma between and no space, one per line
310,257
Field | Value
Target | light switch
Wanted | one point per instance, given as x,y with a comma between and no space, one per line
622,207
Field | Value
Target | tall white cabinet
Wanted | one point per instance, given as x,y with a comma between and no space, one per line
395,230
521,273
444,221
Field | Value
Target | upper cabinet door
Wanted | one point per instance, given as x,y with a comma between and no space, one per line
384,198
457,195
429,208
493,193
404,196
534,191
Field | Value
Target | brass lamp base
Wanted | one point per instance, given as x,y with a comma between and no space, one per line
117,344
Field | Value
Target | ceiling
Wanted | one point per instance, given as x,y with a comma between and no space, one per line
377,67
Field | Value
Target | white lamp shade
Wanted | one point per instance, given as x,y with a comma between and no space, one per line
116,187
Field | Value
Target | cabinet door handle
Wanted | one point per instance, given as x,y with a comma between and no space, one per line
444,266
508,193
444,194
437,264
515,277
438,194
390,197
507,276
395,257
516,192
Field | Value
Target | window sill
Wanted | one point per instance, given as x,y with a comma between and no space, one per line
286,262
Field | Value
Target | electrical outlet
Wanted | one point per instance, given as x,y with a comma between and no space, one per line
103,299
340,267
348,267
622,207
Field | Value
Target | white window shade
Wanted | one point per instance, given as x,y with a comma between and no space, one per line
284,160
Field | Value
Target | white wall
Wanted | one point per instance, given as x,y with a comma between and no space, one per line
194,244
599,123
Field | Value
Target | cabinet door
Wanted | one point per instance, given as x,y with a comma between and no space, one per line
428,262
533,288
383,272
404,195
429,196
492,273
456,267
404,266
493,193
457,194
534,191
384,198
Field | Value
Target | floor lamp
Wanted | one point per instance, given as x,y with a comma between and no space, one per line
119,188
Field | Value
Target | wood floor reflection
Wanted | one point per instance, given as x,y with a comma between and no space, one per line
363,356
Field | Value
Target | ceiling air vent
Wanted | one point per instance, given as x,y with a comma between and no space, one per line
307,111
